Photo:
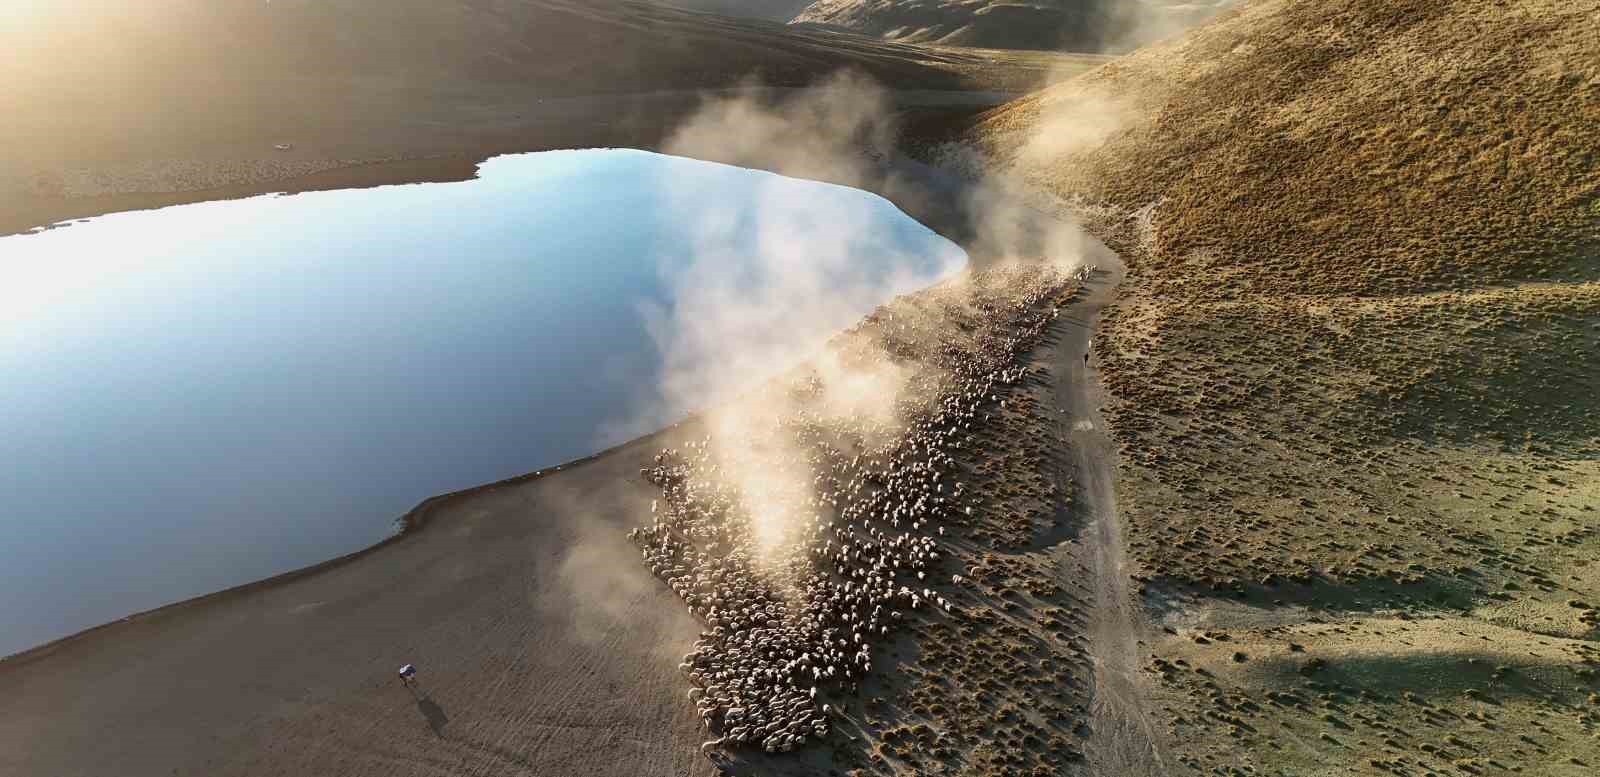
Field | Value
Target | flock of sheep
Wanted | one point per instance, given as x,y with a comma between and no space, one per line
797,586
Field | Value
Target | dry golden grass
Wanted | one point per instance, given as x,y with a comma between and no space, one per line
1380,695
1352,369
1307,433
1353,147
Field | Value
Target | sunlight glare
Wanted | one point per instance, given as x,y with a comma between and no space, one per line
70,264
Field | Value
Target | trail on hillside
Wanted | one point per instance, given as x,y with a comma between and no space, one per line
1124,739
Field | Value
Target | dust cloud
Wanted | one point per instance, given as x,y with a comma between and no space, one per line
744,313
1130,24
1071,117
837,131
596,591
747,310
767,283
1072,120
752,320
761,334
1080,115
595,597
750,335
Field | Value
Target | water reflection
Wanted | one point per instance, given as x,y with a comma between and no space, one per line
203,395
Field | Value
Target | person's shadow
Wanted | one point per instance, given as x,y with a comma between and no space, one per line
434,713
430,709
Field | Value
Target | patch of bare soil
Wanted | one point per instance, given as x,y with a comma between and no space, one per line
541,648
1127,738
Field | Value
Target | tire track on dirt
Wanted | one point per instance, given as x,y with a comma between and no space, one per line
1125,741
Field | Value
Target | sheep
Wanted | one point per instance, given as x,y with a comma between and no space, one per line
768,652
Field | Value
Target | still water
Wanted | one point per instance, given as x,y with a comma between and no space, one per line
203,395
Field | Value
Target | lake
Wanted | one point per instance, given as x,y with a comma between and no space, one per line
203,395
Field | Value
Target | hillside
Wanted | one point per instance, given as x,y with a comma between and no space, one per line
1088,26
107,100
771,10
130,72
1352,373
1347,383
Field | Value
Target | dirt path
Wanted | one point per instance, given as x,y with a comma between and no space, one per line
1124,741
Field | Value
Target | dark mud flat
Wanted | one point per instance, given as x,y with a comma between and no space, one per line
527,665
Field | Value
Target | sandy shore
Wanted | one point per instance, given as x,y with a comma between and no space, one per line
524,658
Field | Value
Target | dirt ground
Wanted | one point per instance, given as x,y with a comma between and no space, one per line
541,648
1126,736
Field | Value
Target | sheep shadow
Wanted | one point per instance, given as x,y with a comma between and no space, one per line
434,714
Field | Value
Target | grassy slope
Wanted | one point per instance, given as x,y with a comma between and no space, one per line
1353,373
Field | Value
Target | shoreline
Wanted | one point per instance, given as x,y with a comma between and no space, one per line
443,168
408,525
43,214
603,121
522,601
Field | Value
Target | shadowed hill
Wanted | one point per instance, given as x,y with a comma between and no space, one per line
82,78
1066,25
1352,371
606,44
108,103
771,10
